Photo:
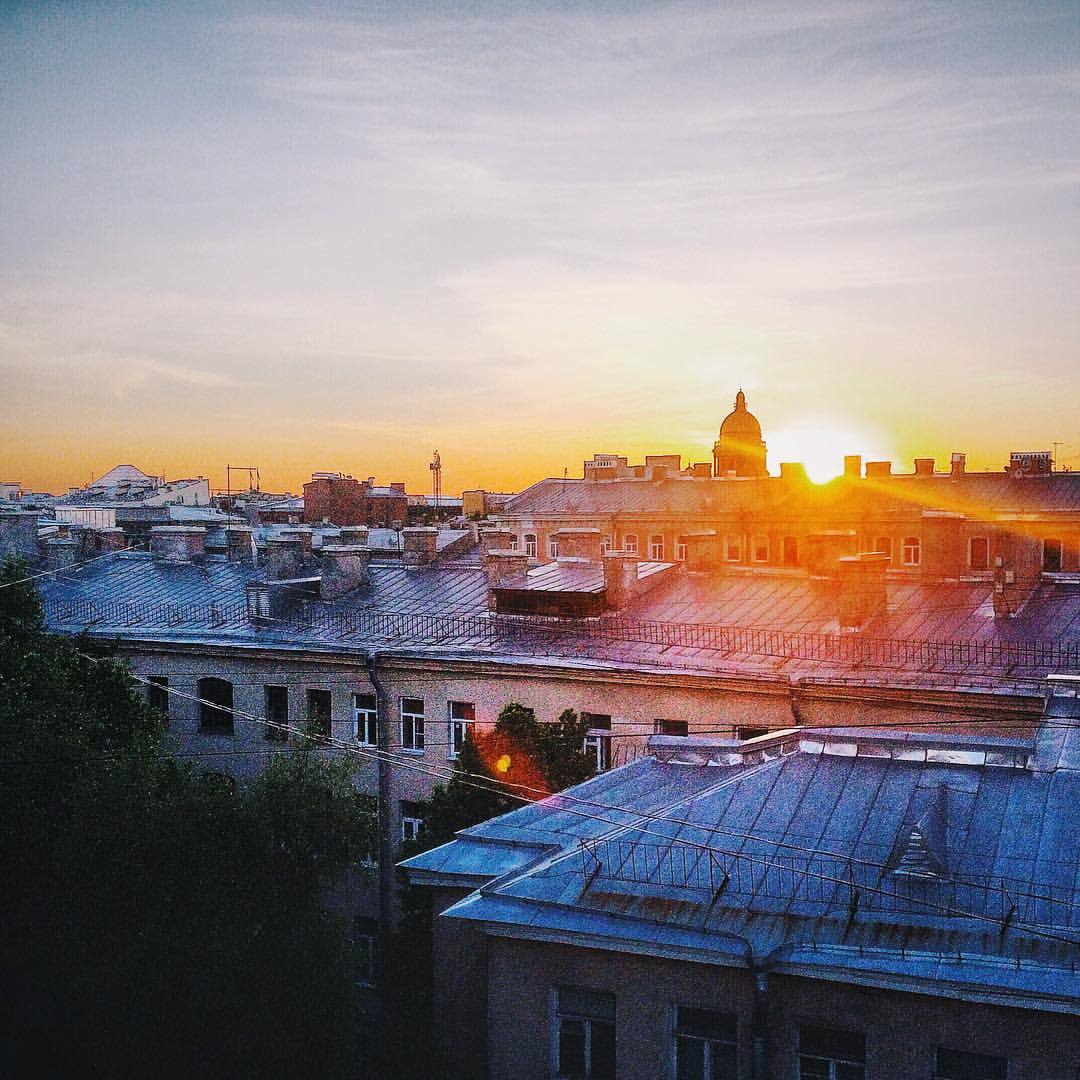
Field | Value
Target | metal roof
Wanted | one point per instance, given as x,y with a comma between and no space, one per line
792,858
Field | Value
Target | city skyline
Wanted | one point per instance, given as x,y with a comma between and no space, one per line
336,238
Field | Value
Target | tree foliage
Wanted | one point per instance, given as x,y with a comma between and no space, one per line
158,921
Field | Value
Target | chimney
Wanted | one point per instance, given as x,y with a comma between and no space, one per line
284,558
111,539
494,539
60,553
794,472
18,534
704,550
505,569
875,470
1017,559
419,545
853,466
861,596
579,544
353,535
620,578
958,465
178,543
238,546
343,569
824,548
944,550
924,466
304,534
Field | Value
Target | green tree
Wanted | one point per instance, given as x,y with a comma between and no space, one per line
156,920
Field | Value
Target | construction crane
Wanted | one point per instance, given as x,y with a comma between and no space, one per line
436,478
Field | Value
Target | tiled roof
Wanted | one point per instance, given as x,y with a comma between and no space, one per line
793,850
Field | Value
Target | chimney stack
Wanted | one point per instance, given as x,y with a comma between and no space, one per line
419,545
178,543
620,578
924,466
958,465
1017,558
238,547
353,535
343,569
110,539
494,539
794,472
704,550
284,558
823,549
18,534
579,544
61,553
875,470
505,569
853,466
861,596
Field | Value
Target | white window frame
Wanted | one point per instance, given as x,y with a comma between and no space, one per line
971,550
553,548
911,551
459,725
733,541
366,720
630,543
415,743
754,541
656,547
598,743
680,549
513,542
605,543
412,825
530,545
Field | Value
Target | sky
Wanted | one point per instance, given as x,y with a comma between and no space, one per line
338,236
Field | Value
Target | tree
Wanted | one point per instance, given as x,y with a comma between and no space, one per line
520,758
156,920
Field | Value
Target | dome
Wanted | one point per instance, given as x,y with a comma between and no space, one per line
741,424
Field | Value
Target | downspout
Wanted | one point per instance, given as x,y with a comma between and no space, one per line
760,1022
385,839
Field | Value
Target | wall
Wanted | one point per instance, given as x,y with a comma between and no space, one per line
902,1030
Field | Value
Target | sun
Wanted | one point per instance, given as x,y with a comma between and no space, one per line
820,446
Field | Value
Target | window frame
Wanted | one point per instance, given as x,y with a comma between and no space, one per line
553,548
1060,554
315,694
560,1013
792,543
415,744
365,719
681,546
630,543
972,541
710,1042
656,547
530,545
226,726
972,1069
911,551
597,741
157,695
733,542
834,1058
414,820
275,734
464,724
755,541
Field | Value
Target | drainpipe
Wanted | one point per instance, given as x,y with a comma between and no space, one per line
386,839
760,1023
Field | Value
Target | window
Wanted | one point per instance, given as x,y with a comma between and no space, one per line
215,706
157,694
630,543
412,824
366,718
680,548
883,545
705,1045
961,1065
553,548
759,548
656,547
462,717
584,1034
911,553
671,727
530,545
605,543
1052,556
791,551
319,711
362,950
412,723
277,712
827,1054
733,548
598,740
979,553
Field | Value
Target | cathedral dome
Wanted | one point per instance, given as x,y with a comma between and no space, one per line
741,424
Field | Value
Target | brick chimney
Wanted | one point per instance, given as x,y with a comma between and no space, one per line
1017,561
861,595
505,569
419,545
61,552
704,550
943,544
853,466
620,578
924,466
18,534
353,536
178,543
875,470
304,533
343,569
284,558
579,544
824,548
494,539
238,546
957,465
110,539
794,472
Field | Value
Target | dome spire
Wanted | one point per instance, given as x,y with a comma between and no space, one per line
740,401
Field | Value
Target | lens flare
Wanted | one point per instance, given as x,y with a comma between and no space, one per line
503,764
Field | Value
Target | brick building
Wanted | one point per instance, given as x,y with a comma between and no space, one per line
342,500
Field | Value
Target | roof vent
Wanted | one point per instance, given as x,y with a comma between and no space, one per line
921,854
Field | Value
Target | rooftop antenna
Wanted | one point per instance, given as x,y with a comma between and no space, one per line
1055,444
436,478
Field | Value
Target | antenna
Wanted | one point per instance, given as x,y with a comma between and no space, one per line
1055,444
436,478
